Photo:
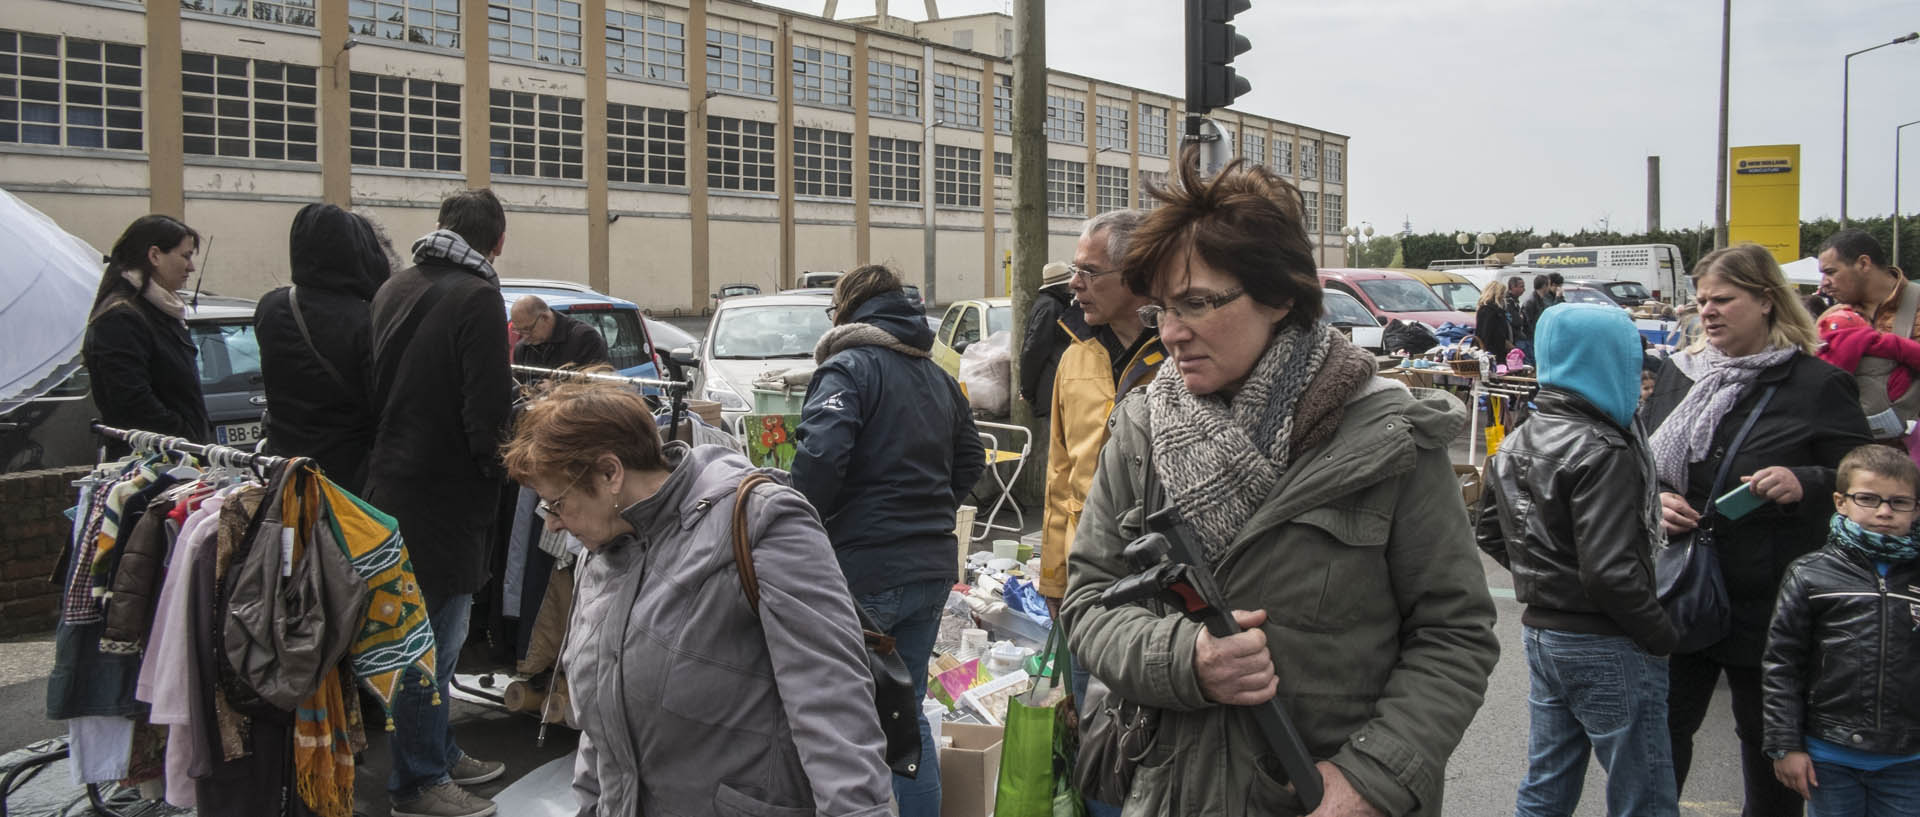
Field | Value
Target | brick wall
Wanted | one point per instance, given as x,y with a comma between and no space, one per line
33,529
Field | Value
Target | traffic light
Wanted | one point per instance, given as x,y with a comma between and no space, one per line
1211,46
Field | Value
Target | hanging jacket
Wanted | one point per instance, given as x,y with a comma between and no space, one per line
1843,655
1813,421
338,265
886,448
691,703
144,369
1084,392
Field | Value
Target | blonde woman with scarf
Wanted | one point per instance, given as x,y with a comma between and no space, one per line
1755,337
138,351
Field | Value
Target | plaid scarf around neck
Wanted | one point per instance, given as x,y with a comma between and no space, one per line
1879,547
1218,458
1719,381
446,246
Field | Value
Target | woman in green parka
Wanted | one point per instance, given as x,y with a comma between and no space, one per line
1325,499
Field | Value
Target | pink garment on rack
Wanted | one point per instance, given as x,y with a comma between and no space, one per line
164,679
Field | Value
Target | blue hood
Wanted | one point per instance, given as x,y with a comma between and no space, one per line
1592,351
893,313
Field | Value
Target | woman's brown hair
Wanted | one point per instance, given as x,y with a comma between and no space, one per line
572,423
1246,222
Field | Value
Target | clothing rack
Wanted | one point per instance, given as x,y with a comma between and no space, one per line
676,389
213,454
1515,392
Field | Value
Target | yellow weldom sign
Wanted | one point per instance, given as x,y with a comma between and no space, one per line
1764,207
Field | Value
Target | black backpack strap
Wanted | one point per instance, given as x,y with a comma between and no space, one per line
1733,448
300,321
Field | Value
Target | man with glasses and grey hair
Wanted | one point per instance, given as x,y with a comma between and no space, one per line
1109,354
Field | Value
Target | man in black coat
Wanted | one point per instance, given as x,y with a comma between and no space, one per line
316,361
1046,340
551,340
444,391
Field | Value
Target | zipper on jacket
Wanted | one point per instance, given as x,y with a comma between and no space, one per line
1880,674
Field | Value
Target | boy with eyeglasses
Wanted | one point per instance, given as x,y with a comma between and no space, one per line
1842,711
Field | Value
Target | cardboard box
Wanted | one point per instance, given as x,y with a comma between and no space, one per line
970,769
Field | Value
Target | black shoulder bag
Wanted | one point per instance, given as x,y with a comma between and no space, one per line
1687,573
893,692
1115,734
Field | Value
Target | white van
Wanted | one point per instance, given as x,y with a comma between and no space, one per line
1657,267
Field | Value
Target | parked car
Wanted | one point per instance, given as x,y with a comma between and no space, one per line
666,337
1583,294
1393,294
818,280
734,291
1625,293
966,323
913,297
1457,290
51,431
629,349
1345,313
751,335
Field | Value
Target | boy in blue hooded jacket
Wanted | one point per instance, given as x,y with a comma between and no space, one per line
1572,511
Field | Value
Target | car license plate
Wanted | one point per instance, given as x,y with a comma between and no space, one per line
238,434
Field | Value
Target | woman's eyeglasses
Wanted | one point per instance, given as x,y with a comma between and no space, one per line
1188,310
549,507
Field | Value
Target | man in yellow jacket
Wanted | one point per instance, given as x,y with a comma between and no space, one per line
1110,353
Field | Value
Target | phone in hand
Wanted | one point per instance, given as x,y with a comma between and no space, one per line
1738,502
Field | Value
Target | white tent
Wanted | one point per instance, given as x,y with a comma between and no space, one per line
47,280
1804,271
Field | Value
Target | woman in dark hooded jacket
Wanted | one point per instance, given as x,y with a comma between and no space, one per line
315,361
141,357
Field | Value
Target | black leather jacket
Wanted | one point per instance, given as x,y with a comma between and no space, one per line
1565,511
1843,655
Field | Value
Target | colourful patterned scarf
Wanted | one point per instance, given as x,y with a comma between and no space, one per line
326,733
395,633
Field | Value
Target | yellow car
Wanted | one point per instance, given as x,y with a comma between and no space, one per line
968,322
1452,287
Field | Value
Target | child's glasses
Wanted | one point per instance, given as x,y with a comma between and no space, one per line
1900,504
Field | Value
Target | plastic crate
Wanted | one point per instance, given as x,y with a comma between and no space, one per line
767,401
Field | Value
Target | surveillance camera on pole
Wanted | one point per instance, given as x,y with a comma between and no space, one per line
1212,43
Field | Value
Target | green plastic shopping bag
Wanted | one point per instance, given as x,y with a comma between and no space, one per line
1037,750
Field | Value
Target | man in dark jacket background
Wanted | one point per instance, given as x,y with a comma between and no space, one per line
1045,341
887,450
1573,512
444,390
551,340
316,362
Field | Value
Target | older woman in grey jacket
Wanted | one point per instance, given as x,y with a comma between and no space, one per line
689,702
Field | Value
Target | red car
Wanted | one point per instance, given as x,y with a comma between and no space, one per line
1390,294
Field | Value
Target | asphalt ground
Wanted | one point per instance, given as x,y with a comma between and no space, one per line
1482,776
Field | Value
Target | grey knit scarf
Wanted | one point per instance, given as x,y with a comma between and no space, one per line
1686,436
1220,459
448,247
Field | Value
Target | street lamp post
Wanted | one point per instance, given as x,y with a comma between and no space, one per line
1477,245
927,210
1896,189
1846,77
1357,238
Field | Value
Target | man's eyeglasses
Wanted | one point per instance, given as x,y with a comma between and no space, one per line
549,507
528,328
1077,271
1188,310
1900,504
833,313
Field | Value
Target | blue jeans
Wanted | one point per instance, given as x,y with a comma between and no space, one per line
422,740
911,614
1891,792
1603,694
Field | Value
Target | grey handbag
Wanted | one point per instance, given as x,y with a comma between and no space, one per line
290,621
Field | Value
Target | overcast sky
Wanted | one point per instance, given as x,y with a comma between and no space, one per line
1493,114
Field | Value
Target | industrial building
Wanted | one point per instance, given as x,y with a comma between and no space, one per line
827,143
